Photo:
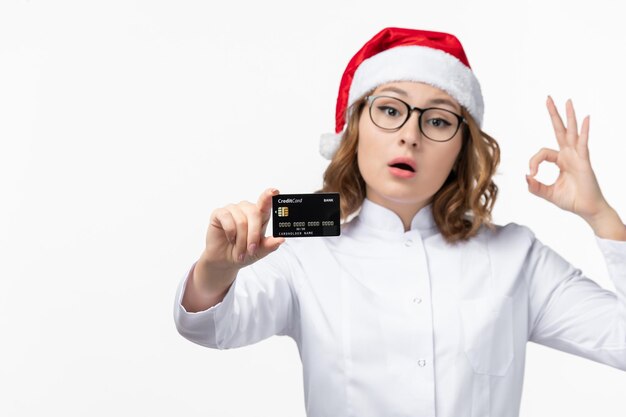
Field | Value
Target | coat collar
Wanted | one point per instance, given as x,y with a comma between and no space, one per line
381,218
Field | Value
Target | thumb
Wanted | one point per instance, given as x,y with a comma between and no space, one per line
537,188
265,203
268,245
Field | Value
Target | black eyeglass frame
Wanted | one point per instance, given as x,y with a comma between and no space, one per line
370,100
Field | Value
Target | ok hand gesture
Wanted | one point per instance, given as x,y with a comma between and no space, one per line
576,189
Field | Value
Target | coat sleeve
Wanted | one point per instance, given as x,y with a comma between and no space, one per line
572,313
260,303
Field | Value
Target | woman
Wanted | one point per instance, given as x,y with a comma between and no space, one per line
422,306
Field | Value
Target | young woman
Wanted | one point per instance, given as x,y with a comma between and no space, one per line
422,306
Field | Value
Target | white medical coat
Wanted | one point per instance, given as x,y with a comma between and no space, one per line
395,323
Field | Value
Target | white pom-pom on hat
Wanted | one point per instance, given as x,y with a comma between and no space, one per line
396,54
329,143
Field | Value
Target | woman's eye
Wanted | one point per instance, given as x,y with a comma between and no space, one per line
438,122
389,111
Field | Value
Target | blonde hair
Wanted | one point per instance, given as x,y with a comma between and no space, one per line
462,204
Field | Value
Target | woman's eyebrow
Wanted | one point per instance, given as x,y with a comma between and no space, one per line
443,101
395,90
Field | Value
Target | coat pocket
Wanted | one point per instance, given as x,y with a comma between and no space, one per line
487,324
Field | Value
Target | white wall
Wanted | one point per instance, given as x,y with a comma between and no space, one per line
123,124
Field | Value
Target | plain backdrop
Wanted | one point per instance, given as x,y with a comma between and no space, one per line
124,123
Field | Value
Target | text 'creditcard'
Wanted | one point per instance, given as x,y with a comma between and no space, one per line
305,215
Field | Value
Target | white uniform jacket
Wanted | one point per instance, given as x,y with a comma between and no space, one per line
395,323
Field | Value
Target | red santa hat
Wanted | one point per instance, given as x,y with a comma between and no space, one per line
397,54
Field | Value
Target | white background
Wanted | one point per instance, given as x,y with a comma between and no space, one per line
123,124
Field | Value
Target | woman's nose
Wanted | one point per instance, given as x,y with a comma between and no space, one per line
410,132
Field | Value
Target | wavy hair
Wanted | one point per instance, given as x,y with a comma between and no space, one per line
462,204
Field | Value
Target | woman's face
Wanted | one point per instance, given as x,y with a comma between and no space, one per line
432,161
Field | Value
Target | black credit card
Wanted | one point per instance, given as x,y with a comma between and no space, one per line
305,215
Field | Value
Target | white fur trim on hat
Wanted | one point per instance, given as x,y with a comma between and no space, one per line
422,64
329,143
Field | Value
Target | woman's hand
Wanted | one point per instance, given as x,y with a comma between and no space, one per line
235,238
236,234
576,189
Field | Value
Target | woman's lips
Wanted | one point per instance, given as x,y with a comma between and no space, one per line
401,173
403,162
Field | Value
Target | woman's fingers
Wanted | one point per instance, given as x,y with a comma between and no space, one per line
569,136
223,219
572,126
534,186
538,188
583,140
269,244
237,231
264,204
557,122
254,226
241,242
544,154
258,216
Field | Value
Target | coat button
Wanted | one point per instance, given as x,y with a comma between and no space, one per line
421,362
417,300
408,242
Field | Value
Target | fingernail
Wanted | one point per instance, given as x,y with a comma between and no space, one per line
240,258
252,249
273,190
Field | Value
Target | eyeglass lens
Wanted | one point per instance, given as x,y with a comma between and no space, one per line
391,113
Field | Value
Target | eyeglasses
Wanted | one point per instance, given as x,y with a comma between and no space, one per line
390,113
